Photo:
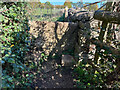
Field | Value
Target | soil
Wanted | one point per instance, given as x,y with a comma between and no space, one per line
50,74
54,78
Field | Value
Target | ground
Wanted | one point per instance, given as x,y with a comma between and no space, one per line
60,77
50,73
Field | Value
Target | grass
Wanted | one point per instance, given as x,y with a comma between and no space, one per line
39,11
47,19
39,14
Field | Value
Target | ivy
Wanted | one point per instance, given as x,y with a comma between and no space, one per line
14,43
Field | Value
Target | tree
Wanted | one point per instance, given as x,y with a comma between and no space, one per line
35,4
39,4
91,7
96,7
62,6
59,6
52,6
80,3
68,3
47,5
42,5
74,5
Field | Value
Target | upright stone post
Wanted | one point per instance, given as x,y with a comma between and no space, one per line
66,13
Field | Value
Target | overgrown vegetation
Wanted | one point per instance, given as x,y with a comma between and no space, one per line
100,72
14,44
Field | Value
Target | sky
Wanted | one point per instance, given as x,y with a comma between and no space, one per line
70,0
61,2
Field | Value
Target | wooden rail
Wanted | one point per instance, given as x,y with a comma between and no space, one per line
107,16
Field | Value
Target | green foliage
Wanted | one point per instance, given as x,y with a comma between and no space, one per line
104,73
40,14
35,4
91,7
62,18
14,44
48,5
87,77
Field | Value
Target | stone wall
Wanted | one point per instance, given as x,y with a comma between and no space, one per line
88,28
54,37
73,35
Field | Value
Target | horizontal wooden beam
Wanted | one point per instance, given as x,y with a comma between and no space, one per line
107,16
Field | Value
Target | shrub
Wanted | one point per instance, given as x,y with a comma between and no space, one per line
14,43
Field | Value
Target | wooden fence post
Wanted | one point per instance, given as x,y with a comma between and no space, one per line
102,33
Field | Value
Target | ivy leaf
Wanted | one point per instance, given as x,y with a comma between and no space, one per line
14,14
27,75
7,55
1,18
5,20
16,70
10,79
96,72
18,8
2,51
11,60
89,84
13,55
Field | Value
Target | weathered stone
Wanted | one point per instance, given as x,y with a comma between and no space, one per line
81,25
49,66
117,33
67,60
76,15
54,37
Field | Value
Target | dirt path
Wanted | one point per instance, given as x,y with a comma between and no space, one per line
53,76
60,78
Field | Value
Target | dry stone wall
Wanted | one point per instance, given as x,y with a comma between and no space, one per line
57,37
88,28
54,37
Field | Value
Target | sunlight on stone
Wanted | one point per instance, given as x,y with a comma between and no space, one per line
60,75
38,71
53,78
35,77
36,87
57,83
56,72
40,75
34,73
